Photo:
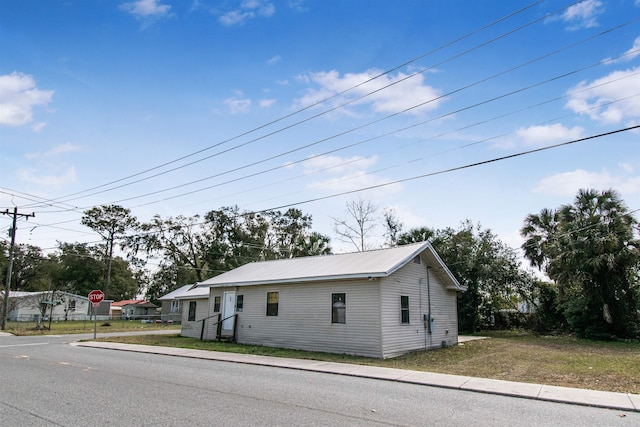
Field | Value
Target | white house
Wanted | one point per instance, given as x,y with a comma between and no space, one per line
379,303
58,305
133,309
195,311
171,304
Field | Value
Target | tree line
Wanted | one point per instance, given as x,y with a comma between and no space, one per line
589,251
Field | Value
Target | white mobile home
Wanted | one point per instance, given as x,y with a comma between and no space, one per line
57,305
379,303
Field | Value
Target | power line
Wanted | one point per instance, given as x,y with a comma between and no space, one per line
467,166
484,102
66,198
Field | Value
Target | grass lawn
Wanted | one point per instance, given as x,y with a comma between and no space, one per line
512,356
80,326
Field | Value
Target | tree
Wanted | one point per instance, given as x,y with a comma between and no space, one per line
110,222
81,269
190,250
590,249
236,238
487,267
393,227
311,244
416,235
357,228
287,231
177,240
27,272
125,283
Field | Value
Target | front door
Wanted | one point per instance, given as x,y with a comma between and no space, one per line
228,310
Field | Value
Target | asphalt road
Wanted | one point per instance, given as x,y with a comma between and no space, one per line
46,382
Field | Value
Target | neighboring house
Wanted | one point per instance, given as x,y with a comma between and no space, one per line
133,309
171,304
57,305
195,309
379,303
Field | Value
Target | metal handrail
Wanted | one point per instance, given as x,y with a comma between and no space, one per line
219,323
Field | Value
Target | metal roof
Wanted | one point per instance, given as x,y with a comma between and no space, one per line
368,264
177,293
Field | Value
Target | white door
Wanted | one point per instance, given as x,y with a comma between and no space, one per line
228,309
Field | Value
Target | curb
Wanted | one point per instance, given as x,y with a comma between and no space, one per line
575,396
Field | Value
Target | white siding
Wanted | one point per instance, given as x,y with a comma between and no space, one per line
211,324
420,285
304,317
193,329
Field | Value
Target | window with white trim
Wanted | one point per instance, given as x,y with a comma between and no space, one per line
192,311
339,308
404,308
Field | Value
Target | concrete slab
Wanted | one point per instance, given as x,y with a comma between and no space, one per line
435,379
635,401
598,398
338,368
507,388
379,372
465,338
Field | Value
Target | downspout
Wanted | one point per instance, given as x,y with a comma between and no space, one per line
421,308
429,302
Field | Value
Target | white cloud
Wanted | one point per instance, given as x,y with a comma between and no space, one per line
626,167
630,54
337,164
18,97
298,5
53,182
546,135
346,174
146,8
55,151
238,105
147,11
37,127
568,183
274,60
248,10
583,14
408,218
404,93
355,181
266,103
608,99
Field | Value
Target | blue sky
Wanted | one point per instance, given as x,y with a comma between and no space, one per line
181,107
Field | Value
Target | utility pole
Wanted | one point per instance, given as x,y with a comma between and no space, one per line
12,232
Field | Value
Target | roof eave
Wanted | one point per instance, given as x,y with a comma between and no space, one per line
368,276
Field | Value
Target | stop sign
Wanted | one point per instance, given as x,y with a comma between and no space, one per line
96,297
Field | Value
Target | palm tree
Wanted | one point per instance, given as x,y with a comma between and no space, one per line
590,248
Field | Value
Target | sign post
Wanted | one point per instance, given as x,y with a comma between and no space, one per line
96,298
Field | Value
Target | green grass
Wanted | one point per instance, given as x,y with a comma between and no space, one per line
558,360
79,327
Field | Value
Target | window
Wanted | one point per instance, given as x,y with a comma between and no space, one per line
239,302
72,305
338,308
404,308
417,260
175,306
192,311
216,304
272,303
